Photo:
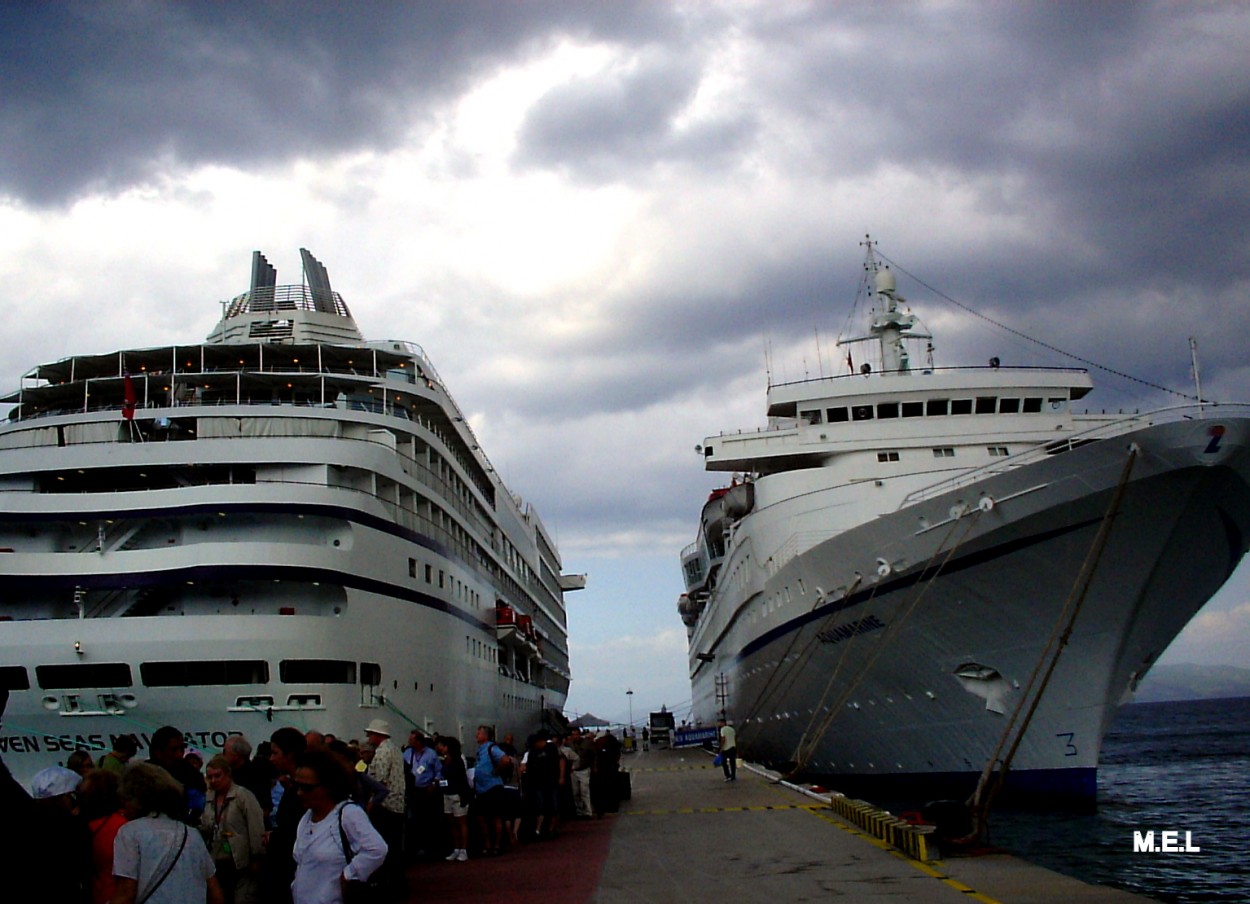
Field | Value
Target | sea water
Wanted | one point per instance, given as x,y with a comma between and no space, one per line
1165,767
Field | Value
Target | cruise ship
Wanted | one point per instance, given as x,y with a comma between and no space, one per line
917,577
282,525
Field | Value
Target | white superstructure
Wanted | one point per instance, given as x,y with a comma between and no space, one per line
892,569
283,525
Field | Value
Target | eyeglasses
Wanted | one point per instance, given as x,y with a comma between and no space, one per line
306,786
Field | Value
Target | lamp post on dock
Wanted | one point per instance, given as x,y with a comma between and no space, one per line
629,695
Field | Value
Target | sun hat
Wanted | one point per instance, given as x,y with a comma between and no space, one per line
379,726
53,782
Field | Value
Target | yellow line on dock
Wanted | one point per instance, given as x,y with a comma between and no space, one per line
828,816
743,809
669,768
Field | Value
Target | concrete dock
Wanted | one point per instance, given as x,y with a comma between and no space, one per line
689,837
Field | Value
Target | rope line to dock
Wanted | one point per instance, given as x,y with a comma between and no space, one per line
810,740
787,675
984,795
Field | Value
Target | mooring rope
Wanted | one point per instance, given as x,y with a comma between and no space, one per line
982,798
809,740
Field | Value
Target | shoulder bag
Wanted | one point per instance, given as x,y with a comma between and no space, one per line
169,869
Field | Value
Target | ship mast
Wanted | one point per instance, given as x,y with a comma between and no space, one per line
890,324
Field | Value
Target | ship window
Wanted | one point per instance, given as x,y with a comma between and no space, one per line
370,673
837,415
944,452
1057,404
887,456
206,672
412,568
998,451
317,671
14,678
861,413
937,406
1008,406
429,574
913,409
1032,406
887,409
961,406
986,404
811,417
100,674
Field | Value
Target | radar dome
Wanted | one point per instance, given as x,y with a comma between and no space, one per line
885,282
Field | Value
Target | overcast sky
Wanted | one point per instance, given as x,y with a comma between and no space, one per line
597,217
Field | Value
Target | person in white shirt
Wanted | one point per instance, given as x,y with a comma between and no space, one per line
335,843
728,751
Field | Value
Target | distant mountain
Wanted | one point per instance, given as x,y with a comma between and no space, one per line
1190,681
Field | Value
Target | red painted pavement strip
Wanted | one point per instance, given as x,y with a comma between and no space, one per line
563,870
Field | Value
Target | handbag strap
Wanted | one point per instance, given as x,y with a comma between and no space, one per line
169,869
347,850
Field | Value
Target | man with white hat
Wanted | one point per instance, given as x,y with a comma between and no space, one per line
55,816
388,768
58,786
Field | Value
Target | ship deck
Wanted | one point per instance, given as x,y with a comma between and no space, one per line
689,836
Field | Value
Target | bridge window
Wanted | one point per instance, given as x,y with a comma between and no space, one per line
837,415
891,455
1032,406
937,406
861,413
887,409
811,417
1008,406
986,404
913,409
961,406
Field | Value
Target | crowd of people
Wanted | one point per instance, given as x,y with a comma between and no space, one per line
306,818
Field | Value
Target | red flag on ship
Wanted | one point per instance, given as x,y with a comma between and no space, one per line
128,409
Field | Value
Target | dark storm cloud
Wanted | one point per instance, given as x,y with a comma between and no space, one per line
98,95
1131,120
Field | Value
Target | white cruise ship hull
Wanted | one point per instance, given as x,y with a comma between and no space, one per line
285,525
890,657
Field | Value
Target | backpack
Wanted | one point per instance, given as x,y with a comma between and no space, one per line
504,771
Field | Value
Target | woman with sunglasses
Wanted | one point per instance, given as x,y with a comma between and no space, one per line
335,843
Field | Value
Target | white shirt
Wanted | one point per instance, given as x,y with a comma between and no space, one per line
319,859
145,847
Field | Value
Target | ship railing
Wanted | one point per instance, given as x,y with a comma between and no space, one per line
276,299
797,543
927,371
1101,431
